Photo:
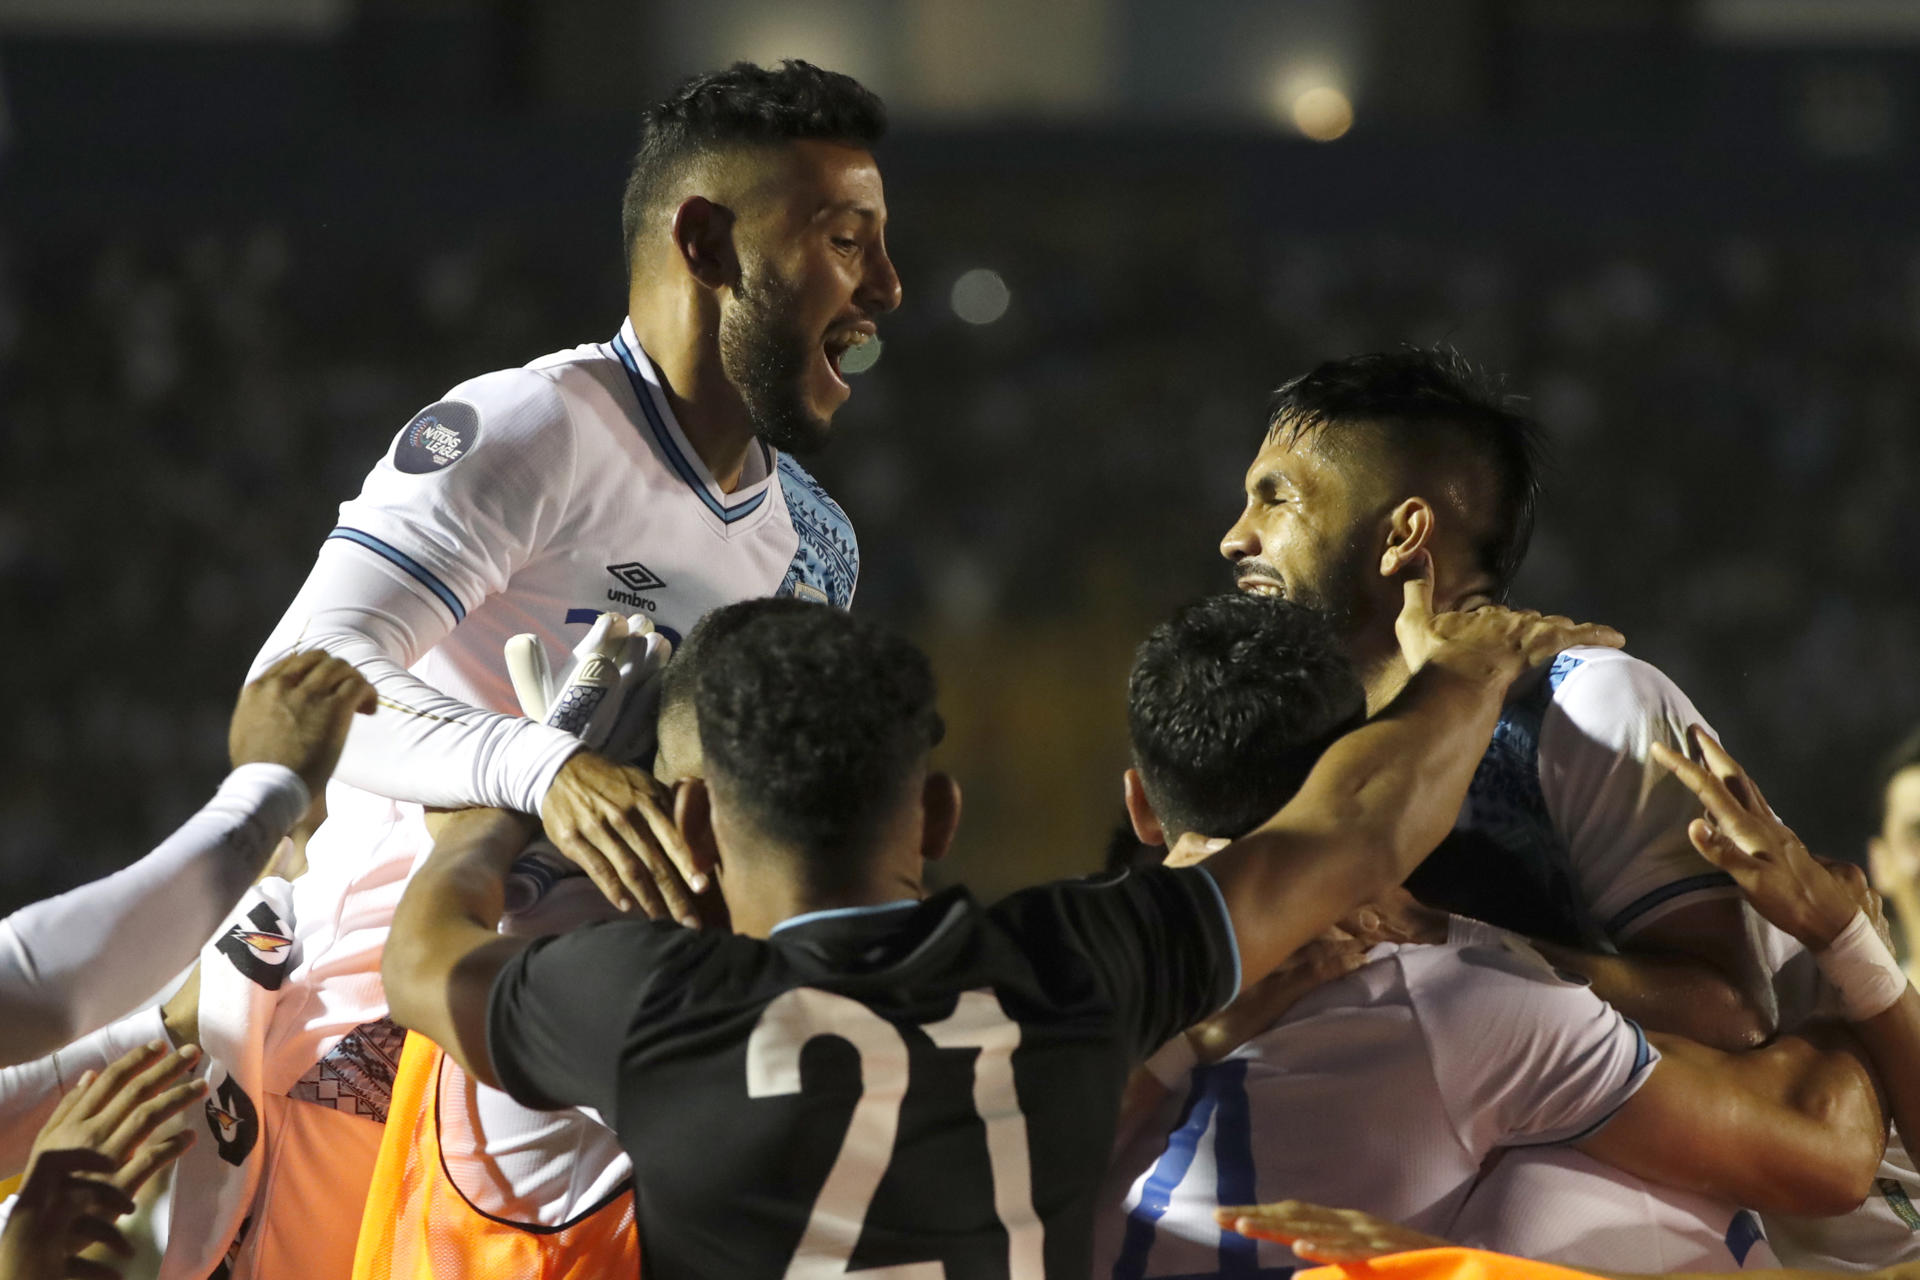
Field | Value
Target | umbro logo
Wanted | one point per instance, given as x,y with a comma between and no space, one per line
635,576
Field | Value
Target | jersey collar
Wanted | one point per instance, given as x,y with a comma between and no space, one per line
680,455
839,913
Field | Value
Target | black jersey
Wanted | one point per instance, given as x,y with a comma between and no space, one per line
927,1087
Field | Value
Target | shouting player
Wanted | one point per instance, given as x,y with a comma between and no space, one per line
859,1076
650,473
1388,1089
1572,834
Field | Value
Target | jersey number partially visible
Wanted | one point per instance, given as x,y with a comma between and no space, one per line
840,1211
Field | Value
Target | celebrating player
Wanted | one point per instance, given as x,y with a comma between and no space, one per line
1571,834
651,473
1893,853
1387,1089
836,1081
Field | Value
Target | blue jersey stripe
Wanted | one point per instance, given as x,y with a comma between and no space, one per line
676,459
419,571
1168,1173
1666,893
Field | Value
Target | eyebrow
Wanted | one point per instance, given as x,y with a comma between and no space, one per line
847,206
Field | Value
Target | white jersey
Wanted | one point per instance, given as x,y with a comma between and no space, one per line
1565,1207
1385,1091
1571,831
528,500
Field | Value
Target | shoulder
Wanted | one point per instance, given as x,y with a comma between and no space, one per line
827,564
1460,987
1616,698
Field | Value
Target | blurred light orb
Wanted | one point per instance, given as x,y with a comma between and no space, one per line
980,296
861,358
1322,113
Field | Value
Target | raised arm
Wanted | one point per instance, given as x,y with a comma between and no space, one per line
1827,907
1383,796
74,963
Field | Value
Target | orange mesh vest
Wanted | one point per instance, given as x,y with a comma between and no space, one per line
419,1227
1444,1264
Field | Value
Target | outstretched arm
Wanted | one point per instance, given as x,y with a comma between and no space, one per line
74,963
1384,796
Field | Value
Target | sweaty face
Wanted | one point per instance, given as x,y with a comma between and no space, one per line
1896,850
1303,534
814,277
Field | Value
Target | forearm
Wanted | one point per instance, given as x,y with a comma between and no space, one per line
1683,994
78,961
445,947
1893,1040
1377,802
420,745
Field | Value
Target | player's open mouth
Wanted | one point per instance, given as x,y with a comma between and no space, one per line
839,342
1266,588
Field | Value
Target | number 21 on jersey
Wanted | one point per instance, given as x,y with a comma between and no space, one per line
840,1210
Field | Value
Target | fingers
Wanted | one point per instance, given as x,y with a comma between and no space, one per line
150,1114
1553,634
1713,845
1726,811
166,1145
290,670
1416,586
110,1086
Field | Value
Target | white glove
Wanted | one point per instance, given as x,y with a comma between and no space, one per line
608,696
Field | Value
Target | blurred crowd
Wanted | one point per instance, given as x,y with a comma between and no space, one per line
1736,418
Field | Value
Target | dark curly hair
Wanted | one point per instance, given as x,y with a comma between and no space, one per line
1230,703
812,721
745,105
1427,405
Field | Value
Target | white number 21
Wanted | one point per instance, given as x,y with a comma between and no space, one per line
840,1211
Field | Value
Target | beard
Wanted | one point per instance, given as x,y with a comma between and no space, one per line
765,357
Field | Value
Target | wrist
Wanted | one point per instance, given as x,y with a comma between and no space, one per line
1861,970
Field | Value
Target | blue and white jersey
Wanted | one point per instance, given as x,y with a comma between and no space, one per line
1571,831
534,499
1562,1206
1384,1090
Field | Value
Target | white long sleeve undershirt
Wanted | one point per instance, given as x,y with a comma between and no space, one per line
421,745
73,963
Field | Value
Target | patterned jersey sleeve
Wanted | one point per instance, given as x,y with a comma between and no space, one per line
1523,1055
1622,816
1159,940
557,1029
471,486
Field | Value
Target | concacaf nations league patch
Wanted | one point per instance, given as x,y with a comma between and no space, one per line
438,436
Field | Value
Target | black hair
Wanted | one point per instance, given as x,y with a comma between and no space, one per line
1230,703
745,105
813,721
1427,406
1904,756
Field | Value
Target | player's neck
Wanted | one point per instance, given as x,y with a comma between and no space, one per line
709,410
1383,673
761,903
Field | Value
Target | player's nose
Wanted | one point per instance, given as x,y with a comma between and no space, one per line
1242,541
880,288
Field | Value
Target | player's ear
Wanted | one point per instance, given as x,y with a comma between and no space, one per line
1146,823
703,237
940,815
693,815
1409,532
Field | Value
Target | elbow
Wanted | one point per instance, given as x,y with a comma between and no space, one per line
1733,1020
1831,1187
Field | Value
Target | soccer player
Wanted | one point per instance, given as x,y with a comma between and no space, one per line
860,1076
1571,835
653,472
73,963
1387,1090
1893,853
